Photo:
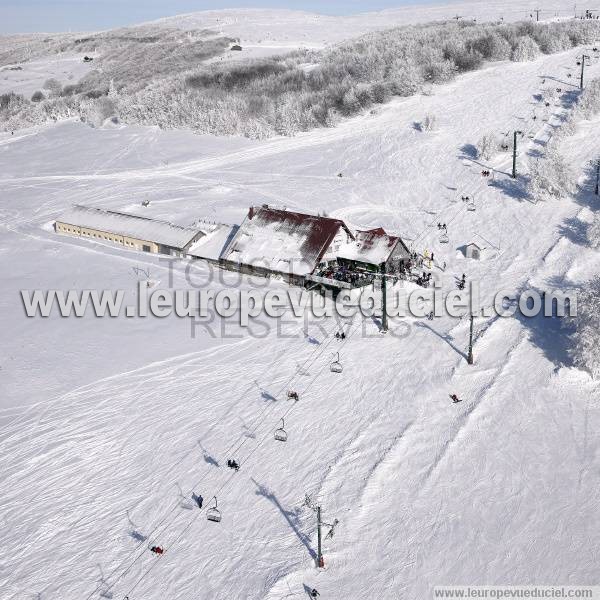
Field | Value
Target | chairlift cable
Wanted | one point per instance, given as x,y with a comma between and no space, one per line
269,408
219,491
154,531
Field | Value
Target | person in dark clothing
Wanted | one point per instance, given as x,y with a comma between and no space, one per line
198,500
455,398
232,464
156,550
314,593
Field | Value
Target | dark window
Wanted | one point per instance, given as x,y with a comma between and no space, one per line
146,248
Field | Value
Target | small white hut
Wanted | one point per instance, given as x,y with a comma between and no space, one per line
474,250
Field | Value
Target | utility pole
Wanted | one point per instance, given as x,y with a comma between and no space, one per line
470,355
320,561
514,169
537,14
384,319
582,68
597,190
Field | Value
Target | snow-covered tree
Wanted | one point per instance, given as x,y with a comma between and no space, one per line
350,102
429,122
593,232
53,86
589,102
37,96
493,47
95,112
526,49
112,91
487,146
551,177
405,79
551,41
585,349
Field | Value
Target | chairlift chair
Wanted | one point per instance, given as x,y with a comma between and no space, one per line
336,365
213,513
444,239
471,206
281,434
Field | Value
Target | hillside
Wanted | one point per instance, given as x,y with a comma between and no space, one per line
293,29
108,425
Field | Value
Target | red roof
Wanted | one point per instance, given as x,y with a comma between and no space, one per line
282,240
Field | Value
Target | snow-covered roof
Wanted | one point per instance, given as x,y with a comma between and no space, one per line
477,245
479,241
213,244
373,247
141,228
283,241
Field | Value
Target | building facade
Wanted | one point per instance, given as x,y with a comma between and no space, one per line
131,231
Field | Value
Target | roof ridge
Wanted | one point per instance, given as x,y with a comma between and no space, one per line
107,211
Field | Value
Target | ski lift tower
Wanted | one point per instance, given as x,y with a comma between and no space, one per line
514,169
320,560
470,355
384,319
583,57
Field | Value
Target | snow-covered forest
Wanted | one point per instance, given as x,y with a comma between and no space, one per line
149,78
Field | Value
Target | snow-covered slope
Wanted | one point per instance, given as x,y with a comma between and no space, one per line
281,29
28,77
108,426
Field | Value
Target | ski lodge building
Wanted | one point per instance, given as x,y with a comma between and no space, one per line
373,248
302,249
131,231
273,241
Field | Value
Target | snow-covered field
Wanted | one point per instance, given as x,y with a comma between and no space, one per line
284,29
106,425
27,77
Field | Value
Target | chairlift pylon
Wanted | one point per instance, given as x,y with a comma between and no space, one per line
336,365
281,434
213,513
